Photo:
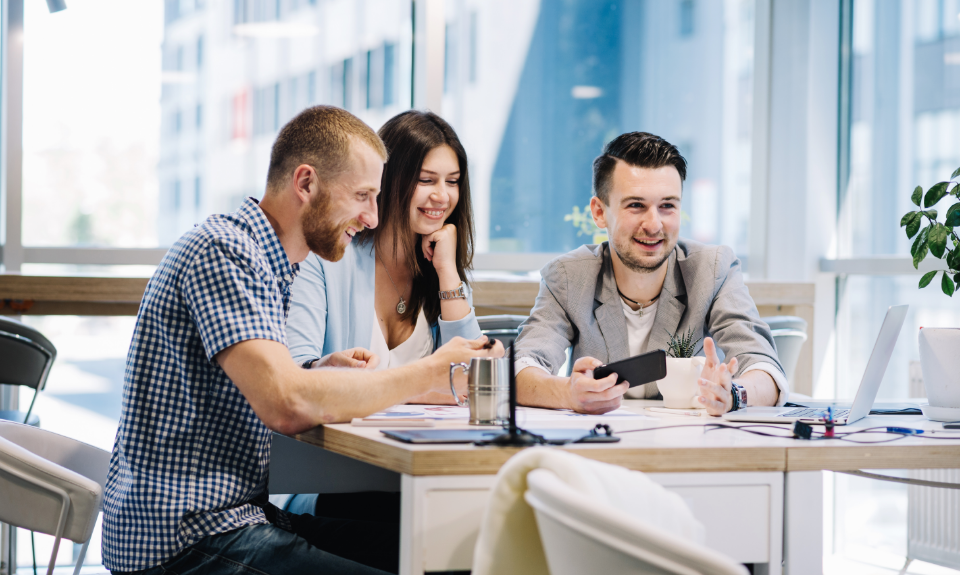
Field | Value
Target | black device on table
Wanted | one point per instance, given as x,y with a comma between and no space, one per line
638,370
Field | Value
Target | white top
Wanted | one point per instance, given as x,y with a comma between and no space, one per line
417,346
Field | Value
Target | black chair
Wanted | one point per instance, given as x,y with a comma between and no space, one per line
501,327
25,360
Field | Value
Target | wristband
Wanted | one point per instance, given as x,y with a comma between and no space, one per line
459,293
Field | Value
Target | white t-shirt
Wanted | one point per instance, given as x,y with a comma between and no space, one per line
417,346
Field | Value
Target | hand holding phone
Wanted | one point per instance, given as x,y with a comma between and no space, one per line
638,370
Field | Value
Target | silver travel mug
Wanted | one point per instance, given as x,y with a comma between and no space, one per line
488,389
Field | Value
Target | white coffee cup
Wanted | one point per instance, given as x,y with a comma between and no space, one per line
680,388
940,362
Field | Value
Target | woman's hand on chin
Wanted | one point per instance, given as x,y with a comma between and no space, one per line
440,248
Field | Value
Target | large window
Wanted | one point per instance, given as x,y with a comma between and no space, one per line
539,89
157,115
903,131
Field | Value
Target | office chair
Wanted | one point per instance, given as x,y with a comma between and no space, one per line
789,332
51,484
584,535
26,357
501,327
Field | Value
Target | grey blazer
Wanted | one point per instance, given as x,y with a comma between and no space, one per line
578,306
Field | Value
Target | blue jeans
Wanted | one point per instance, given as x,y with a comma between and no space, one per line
269,550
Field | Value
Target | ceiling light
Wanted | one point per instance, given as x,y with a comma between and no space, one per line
275,30
586,92
56,5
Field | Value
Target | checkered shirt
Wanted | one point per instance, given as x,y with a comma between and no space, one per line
191,455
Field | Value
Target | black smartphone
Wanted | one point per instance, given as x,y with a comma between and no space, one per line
952,425
638,370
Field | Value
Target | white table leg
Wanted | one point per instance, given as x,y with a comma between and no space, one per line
803,523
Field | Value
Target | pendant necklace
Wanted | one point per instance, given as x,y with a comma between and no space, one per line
633,301
402,306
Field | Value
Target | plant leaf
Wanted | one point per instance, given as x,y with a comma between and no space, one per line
921,251
938,240
953,258
953,175
920,240
913,226
934,194
927,278
907,217
947,284
953,215
917,196
932,214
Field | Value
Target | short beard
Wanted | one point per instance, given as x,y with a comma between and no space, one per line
321,235
637,265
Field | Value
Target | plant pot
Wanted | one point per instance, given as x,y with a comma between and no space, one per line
940,362
679,389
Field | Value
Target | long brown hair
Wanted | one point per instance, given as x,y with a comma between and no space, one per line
409,137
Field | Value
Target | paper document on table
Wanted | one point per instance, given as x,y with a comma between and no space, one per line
525,415
422,412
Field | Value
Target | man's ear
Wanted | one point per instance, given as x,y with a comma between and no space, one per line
305,182
598,209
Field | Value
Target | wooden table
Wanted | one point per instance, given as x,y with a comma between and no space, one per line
760,498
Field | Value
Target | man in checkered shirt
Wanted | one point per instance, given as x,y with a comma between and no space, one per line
209,376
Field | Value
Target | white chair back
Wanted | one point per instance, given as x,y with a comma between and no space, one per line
586,536
50,484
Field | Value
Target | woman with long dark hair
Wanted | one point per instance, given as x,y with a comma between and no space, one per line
400,290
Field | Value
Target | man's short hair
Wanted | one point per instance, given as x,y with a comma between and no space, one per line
320,137
638,149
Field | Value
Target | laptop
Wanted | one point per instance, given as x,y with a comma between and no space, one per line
866,393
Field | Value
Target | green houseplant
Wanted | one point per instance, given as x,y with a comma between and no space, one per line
682,345
931,236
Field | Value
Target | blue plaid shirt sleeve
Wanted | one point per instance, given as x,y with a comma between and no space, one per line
229,298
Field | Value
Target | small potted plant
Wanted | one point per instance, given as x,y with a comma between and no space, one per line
939,359
679,389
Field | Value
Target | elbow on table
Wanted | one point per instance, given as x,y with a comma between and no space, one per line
287,414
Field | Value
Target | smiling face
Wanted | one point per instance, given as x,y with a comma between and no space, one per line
437,192
344,205
643,216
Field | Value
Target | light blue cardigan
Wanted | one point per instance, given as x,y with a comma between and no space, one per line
331,307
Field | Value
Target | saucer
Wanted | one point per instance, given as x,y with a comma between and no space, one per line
945,414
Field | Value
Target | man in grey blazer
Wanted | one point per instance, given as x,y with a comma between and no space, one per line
633,293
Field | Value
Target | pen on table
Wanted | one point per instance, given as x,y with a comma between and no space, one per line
904,430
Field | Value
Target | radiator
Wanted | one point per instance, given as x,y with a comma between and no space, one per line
933,519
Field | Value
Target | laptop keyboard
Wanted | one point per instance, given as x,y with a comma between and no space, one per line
811,413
